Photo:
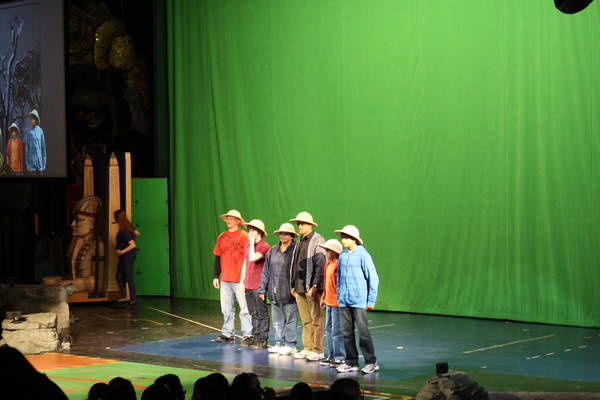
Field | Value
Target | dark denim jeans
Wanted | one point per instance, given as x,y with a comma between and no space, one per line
125,274
259,313
356,317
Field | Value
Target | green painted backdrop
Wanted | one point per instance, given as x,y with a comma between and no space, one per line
461,137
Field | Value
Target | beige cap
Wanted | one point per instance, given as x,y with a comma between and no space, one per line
286,228
305,217
333,245
233,213
258,224
350,230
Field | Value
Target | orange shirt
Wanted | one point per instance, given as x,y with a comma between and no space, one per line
330,287
230,247
14,152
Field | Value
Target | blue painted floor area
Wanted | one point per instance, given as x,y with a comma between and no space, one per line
409,345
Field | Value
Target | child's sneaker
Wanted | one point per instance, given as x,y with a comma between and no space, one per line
275,349
288,350
326,362
259,344
302,354
370,368
224,339
346,368
314,356
247,341
335,363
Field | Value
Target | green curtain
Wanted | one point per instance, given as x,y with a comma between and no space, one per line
461,137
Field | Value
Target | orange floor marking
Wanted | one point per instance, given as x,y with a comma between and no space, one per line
49,361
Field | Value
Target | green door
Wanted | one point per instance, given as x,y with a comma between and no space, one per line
150,211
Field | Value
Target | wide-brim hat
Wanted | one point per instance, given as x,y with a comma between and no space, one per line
286,228
333,245
35,114
234,214
14,126
258,224
304,217
351,231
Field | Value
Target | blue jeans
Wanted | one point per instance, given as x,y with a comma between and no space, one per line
333,334
285,318
230,292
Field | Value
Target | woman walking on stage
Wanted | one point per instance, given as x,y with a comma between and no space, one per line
127,251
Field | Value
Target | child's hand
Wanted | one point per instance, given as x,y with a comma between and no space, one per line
369,307
252,235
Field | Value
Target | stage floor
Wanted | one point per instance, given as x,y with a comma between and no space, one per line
165,335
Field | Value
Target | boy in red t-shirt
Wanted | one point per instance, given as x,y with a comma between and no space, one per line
256,249
229,252
333,331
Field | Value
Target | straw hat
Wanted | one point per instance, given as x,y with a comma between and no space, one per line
305,217
233,213
352,231
333,245
258,224
286,228
35,114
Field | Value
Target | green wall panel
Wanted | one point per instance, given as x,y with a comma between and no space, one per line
151,218
462,138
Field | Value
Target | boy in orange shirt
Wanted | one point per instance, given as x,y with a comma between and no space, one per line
14,149
333,331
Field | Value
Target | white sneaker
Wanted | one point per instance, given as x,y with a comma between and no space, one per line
275,349
346,368
314,356
302,354
370,368
287,350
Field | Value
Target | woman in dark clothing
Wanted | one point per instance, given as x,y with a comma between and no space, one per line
126,250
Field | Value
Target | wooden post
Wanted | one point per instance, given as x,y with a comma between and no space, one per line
113,203
88,177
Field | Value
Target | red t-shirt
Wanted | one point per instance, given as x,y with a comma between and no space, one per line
330,287
230,247
254,269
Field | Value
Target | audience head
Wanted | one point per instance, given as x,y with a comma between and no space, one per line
22,375
158,391
301,391
346,389
246,386
98,391
173,383
213,386
120,389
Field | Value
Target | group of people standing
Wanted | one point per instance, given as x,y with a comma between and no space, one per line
301,275
26,154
